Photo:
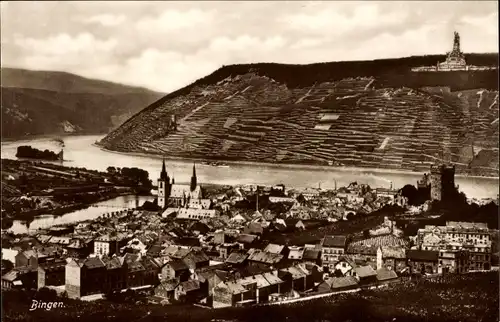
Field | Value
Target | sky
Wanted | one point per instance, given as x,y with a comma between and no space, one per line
167,45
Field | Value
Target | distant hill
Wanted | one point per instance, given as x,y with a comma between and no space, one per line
47,102
360,113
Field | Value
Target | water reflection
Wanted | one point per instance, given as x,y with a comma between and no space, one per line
94,211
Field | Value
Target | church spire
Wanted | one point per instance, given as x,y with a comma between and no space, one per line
193,179
163,174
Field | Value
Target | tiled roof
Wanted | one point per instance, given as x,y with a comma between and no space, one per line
422,255
191,285
393,252
272,279
246,238
274,248
180,253
197,256
11,275
295,272
236,258
258,279
264,257
178,265
311,254
385,274
254,228
169,285
232,287
365,271
53,265
113,263
296,253
93,262
341,282
334,241
362,249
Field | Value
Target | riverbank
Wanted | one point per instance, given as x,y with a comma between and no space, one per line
29,216
288,165
46,136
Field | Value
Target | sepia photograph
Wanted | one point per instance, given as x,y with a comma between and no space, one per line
244,161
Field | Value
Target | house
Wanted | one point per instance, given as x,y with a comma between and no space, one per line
453,261
335,284
80,248
226,249
175,269
21,277
277,249
166,289
294,278
347,265
254,228
333,247
229,293
195,213
240,219
210,277
391,257
107,245
385,275
51,273
367,253
199,228
196,259
262,257
246,240
261,286
423,261
154,250
365,274
312,255
295,253
237,258
27,258
188,291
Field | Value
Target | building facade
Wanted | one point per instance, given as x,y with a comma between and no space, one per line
177,195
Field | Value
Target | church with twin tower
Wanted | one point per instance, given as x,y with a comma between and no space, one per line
171,194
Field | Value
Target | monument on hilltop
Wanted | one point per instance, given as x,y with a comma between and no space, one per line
455,61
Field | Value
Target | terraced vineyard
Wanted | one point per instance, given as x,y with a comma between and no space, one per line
363,121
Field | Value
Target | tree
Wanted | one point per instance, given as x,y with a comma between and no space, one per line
111,170
409,191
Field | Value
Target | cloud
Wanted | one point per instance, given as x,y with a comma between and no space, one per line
63,44
176,21
166,45
107,20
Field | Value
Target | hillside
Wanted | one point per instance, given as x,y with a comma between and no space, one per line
364,113
42,102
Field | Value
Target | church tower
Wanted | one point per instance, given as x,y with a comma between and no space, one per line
163,187
194,183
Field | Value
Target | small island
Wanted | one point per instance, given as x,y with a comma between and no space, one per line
27,151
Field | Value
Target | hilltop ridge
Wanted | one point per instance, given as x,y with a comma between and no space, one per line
363,113
46,102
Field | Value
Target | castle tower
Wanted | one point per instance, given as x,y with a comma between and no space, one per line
194,182
163,187
442,182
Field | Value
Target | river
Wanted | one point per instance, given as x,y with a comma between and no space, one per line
92,212
79,151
